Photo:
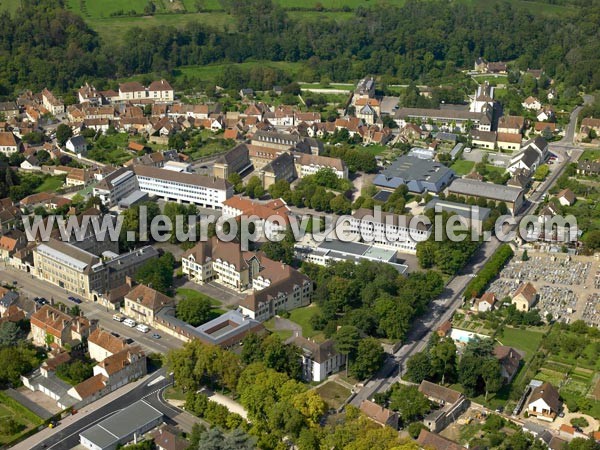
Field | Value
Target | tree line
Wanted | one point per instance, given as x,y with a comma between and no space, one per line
43,44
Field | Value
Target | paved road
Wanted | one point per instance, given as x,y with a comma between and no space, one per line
444,307
32,287
68,436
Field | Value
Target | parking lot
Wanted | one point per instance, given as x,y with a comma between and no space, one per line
568,286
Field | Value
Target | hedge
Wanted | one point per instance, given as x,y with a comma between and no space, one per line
492,268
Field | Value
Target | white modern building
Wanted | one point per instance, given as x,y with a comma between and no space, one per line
116,186
388,230
204,191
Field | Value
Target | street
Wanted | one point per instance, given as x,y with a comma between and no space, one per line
444,307
30,287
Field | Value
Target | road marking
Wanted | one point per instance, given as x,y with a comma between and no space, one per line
157,380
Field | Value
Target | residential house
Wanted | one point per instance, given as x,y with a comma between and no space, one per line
483,139
510,361
444,329
367,109
9,143
546,113
132,90
588,168
508,141
142,303
452,404
533,153
308,164
544,127
511,124
524,297
485,303
379,414
319,360
566,197
365,88
88,94
588,124
10,243
102,344
432,441
531,103
51,103
161,91
544,402
77,145
9,109
30,163
122,367
169,438
52,327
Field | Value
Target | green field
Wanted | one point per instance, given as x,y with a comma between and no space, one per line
527,341
191,293
302,317
462,167
26,419
51,184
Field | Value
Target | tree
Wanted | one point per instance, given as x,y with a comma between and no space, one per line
492,376
9,334
369,357
409,402
524,256
346,342
9,426
443,359
254,187
157,273
215,439
194,310
63,133
16,361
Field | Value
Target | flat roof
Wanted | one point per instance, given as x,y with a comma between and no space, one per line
460,209
122,424
133,198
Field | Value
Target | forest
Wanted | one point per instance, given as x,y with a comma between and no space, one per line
43,44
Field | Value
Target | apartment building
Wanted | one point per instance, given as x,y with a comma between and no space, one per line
206,192
83,273
9,143
142,303
51,103
116,186
388,230
53,327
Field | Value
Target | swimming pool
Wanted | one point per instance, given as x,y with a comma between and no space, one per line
465,336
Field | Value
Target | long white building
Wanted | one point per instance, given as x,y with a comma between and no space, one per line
388,230
204,191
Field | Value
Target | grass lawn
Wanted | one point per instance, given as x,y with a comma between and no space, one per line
175,393
302,317
284,335
27,420
590,155
333,393
462,167
191,293
51,184
524,340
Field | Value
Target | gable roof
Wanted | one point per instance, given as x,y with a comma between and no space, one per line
106,340
567,194
434,441
89,387
548,393
439,393
120,360
509,358
378,413
318,352
148,297
527,290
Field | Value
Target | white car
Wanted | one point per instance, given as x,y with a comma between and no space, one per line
143,328
118,317
130,323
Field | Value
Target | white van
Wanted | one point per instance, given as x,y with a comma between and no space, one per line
143,328
118,317
130,323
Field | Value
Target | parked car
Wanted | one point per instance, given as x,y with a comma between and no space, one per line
155,336
143,328
130,323
118,317
77,300
71,298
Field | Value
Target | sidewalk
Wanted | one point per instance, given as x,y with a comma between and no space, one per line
37,438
